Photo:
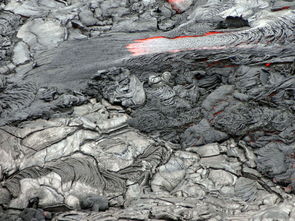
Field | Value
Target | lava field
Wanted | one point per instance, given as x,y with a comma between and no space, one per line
147,110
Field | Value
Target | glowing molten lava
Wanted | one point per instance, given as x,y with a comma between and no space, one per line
175,1
280,9
160,44
179,5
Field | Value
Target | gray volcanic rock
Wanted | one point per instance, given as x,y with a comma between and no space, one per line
94,203
48,142
21,53
37,34
202,133
118,85
26,100
147,110
87,17
32,7
206,150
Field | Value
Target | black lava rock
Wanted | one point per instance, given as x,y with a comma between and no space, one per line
95,203
233,22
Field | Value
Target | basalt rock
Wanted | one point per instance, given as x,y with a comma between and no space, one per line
232,22
118,86
145,109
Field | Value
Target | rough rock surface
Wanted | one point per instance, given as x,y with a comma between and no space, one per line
147,110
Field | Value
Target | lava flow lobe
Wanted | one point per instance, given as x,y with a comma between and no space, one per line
160,44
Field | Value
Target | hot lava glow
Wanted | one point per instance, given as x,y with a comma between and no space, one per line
280,9
179,5
160,44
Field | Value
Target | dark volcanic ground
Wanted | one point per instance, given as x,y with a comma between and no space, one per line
147,109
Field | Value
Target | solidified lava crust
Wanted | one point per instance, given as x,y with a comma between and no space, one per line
147,110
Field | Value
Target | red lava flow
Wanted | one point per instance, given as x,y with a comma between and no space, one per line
147,45
178,5
280,9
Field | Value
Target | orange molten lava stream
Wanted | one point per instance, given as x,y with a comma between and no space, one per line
139,49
